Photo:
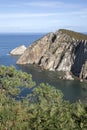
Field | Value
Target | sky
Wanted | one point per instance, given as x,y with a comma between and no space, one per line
43,15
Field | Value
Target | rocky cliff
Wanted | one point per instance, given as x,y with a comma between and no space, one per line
63,50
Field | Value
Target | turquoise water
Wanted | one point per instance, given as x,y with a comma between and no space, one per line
72,90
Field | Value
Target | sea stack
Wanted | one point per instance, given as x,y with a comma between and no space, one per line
63,50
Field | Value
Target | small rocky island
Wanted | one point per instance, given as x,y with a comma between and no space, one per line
64,51
18,50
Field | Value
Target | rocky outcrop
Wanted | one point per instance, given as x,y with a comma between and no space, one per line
58,51
18,50
83,73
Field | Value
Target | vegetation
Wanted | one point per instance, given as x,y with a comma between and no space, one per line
13,81
43,109
78,36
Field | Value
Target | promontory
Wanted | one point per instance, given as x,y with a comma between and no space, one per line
63,50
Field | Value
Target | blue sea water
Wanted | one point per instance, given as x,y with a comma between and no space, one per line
72,90
11,41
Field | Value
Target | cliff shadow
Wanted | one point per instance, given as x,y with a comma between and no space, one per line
80,54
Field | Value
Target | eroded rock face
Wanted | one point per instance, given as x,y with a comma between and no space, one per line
18,50
57,51
83,73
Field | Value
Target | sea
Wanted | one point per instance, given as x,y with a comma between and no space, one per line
72,90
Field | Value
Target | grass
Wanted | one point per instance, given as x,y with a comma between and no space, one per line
76,35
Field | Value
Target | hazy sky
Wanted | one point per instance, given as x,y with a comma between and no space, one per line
42,15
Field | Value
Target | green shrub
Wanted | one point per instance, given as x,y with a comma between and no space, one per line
43,109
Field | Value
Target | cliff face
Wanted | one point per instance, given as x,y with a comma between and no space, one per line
83,73
59,51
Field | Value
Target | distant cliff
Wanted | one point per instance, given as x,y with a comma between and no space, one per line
63,50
